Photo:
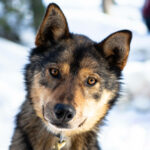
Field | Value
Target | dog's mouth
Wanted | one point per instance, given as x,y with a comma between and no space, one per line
61,125
67,125
82,123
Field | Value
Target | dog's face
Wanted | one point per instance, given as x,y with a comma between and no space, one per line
74,81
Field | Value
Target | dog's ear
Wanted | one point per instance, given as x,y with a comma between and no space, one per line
115,48
53,27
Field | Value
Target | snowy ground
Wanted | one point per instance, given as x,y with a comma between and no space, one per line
128,125
12,60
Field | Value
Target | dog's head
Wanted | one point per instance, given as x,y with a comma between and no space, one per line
72,80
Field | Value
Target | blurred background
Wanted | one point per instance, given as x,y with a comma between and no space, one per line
128,124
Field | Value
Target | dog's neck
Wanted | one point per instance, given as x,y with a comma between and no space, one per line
76,142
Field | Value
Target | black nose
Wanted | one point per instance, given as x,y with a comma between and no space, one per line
64,112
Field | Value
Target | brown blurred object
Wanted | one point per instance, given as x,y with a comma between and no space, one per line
146,13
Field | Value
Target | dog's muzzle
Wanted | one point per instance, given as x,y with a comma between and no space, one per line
60,114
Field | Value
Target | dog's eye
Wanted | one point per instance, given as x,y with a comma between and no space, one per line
91,81
54,72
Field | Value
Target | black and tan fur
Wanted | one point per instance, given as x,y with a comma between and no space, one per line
62,67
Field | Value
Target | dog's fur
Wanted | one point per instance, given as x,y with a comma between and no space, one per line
87,78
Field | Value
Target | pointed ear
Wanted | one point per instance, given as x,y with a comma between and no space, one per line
115,48
53,27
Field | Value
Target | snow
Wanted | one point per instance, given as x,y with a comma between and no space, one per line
137,82
126,130
12,59
128,125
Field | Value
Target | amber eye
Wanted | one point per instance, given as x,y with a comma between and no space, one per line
54,72
91,81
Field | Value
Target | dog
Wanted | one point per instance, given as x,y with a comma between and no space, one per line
71,82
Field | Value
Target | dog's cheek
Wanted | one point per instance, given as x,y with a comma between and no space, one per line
39,96
96,110
79,103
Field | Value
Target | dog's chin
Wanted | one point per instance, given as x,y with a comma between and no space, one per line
57,129
61,125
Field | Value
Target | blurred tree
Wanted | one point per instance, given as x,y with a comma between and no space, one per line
18,15
106,5
38,9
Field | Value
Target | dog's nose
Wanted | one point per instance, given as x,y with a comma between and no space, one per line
64,112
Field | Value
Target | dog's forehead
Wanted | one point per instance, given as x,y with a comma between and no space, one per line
79,52
77,48
78,60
